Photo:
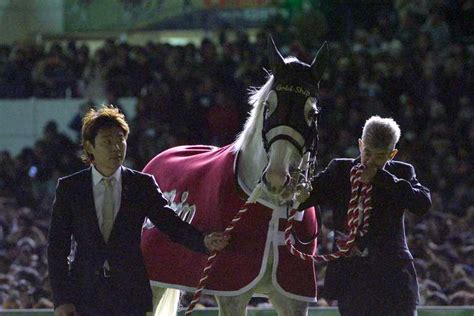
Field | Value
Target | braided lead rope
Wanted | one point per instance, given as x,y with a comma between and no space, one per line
210,260
366,193
354,221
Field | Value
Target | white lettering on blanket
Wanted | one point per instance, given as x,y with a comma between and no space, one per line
184,210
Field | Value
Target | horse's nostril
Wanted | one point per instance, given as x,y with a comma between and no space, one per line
276,181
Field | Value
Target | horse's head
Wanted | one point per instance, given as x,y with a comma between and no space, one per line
290,122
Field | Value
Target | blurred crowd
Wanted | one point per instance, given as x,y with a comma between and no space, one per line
408,62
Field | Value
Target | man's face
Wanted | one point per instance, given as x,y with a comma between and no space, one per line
373,157
109,149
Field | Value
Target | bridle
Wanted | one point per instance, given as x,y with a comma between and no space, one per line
307,144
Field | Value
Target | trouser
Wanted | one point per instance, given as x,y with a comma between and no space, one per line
382,289
108,304
91,311
348,309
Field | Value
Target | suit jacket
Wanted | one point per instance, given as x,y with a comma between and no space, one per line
387,273
74,215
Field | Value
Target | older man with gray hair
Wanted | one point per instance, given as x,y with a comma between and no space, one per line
368,197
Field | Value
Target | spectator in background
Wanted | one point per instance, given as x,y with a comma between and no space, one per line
94,82
142,75
223,120
7,172
408,30
52,76
76,122
25,232
438,29
77,60
118,75
16,80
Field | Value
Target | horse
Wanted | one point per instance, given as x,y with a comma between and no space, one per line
206,186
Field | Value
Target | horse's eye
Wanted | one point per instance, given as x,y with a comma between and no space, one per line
312,118
311,111
315,120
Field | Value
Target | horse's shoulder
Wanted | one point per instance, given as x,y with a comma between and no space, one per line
187,150
190,160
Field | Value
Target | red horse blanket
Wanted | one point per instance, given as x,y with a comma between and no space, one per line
200,184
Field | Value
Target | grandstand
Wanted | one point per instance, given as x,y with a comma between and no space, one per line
412,60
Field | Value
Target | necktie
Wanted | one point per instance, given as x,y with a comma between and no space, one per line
107,209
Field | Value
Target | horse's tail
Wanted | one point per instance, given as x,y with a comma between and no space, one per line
168,305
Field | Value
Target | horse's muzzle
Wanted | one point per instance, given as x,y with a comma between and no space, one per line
275,181
279,189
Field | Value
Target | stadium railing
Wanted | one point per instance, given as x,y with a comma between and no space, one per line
315,311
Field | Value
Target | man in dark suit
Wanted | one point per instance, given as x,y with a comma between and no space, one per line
378,276
102,209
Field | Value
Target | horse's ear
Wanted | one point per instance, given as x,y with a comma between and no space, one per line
276,60
318,66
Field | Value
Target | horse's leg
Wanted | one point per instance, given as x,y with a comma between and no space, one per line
165,301
287,306
283,305
157,294
234,305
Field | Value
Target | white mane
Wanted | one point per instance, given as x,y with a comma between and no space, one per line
254,121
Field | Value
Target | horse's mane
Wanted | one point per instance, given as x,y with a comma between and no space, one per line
254,121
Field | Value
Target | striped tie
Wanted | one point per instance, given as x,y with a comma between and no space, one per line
107,209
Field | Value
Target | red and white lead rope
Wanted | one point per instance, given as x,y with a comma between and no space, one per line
357,223
354,225
210,260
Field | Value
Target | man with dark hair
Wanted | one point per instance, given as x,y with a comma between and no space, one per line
102,208
371,193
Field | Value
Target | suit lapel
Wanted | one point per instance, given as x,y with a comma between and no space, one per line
125,197
86,201
126,174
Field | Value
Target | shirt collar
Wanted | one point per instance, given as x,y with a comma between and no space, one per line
97,176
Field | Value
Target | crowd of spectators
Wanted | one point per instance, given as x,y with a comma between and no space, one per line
407,63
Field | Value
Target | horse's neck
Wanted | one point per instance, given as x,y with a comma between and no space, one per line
252,160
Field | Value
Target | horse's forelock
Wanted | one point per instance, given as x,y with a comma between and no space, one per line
256,98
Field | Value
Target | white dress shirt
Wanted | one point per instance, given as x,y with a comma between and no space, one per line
99,191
